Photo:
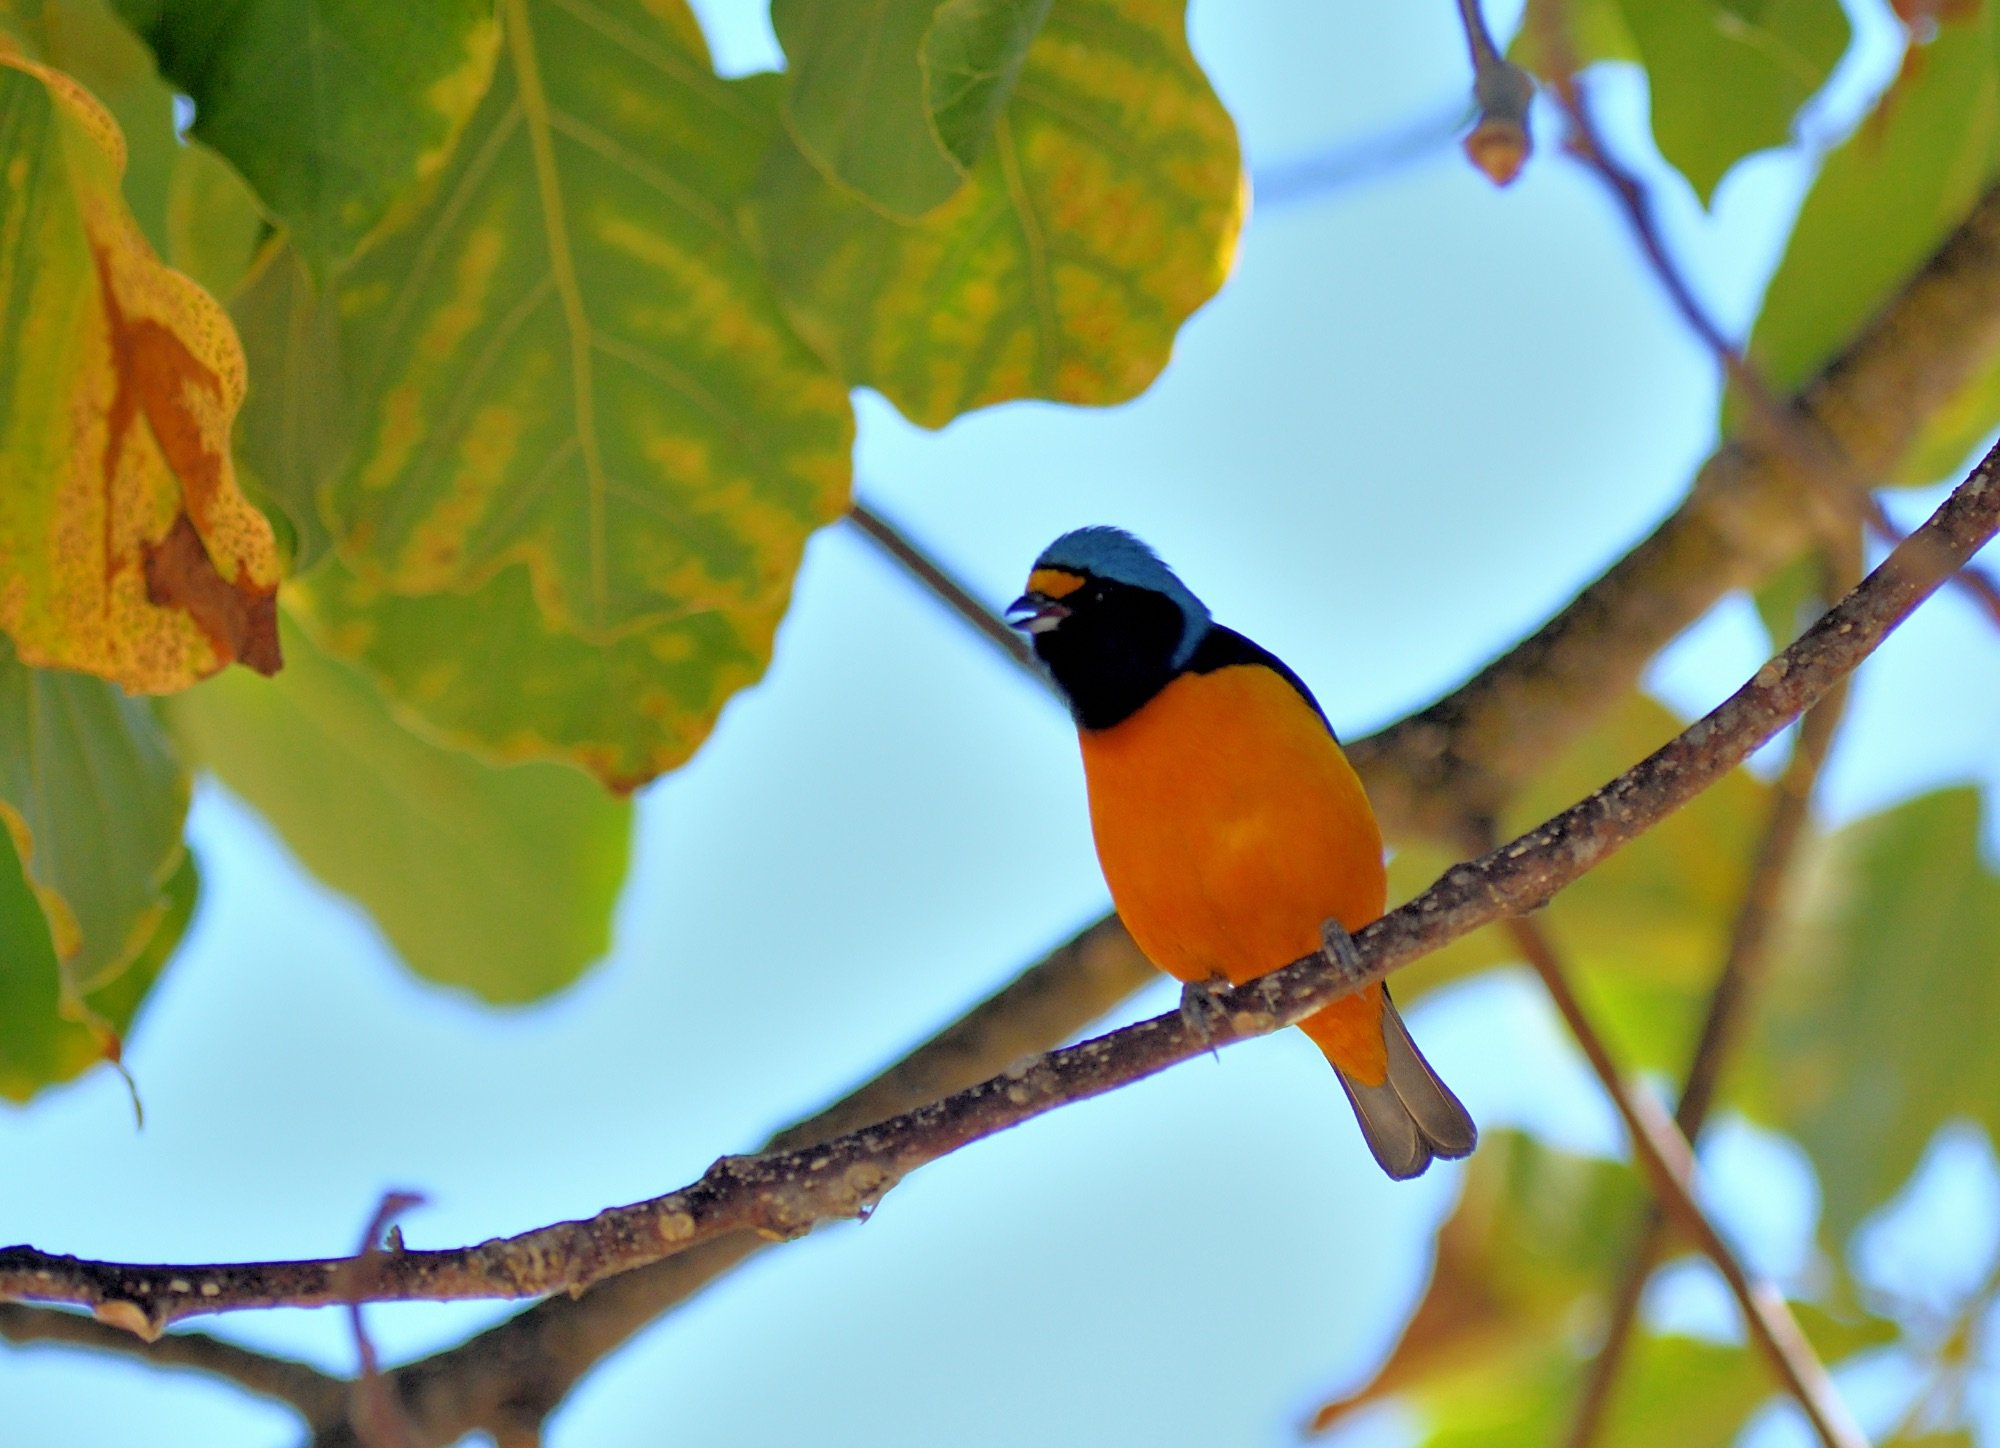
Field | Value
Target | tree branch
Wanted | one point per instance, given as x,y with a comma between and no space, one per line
784,1194
1742,970
948,590
317,1396
1668,1162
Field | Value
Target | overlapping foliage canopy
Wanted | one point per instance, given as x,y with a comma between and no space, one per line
439,398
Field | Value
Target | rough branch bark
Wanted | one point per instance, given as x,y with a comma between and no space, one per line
784,1194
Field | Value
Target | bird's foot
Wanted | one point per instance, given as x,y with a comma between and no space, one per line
1336,946
1200,1009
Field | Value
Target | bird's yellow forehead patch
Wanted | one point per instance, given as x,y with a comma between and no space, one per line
1054,582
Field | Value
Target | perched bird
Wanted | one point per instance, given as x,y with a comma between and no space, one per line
1228,821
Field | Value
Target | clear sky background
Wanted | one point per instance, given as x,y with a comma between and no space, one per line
1421,414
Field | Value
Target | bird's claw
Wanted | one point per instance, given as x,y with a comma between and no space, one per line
1200,1009
1336,946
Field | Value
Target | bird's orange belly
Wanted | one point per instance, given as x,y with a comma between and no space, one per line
1229,826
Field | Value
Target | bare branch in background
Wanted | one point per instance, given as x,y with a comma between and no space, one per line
1742,970
314,1395
1668,1161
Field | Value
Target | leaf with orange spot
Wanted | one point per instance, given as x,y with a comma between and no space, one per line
1103,210
126,549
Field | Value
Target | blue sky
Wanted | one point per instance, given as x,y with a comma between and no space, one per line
1420,415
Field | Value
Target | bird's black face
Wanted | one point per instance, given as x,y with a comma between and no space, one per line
1109,646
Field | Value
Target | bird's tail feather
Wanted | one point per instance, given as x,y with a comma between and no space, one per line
1410,1118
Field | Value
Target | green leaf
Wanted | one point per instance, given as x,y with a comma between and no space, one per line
334,110
1881,1006
490,673
1884,201
500,880
94,801
1673,1391
1728,76
971,59
855,100
570,360
1597,31
86,39
1104,212
293,429
1646,930
213,221
1525,1265
895,99
42,1040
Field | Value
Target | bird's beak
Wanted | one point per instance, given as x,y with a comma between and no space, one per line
1036,613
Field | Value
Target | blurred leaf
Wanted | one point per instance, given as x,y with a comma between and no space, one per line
1884,202
293,430
86,40
333,110
1726,77
1880,1021
1646,930
1536,1233
491,674
41,1044
1105,211
1597,31
213,221
497,879
93,801
569,359
128,550
895,99
1673,1391
1784,598
972,57
855,103
1495,1352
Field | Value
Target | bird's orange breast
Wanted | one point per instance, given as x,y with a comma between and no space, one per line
1230,825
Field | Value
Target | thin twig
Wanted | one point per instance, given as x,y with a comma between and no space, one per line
1669,1164
378,1417
953,594
1742,968
1498,143
785,1194
1804,448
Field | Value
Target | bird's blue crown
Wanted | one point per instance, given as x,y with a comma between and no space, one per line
1116,556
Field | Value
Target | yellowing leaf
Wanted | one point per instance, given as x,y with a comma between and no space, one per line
1104,211
126,549
495,676
570,360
